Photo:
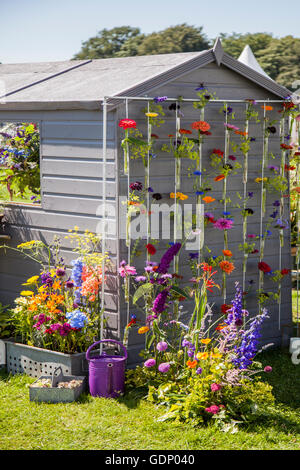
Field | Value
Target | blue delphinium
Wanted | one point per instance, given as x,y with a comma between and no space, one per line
236,313
77,272
77,319
247,349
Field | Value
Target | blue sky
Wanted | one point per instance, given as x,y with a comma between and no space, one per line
43,30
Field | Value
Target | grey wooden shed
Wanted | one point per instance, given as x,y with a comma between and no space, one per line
66,100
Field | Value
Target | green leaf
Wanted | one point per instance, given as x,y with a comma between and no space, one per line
179,291
142,290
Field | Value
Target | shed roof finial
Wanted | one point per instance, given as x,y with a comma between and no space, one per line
218,51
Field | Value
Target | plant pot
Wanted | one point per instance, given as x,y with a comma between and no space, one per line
24,359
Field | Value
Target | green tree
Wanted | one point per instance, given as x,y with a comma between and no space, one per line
234,43
107,43
126,41
180,38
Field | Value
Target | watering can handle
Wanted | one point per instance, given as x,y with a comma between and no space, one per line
106,341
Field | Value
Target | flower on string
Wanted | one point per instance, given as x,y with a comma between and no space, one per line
137,186
209,216
227,253
151,249
271,129
226,266
151,115
223,224
197,173
276,203
250,194
201,126
219,177
160,99
267,107
251,235
127,124
286,147
284,272
264,267
289,168
273,168
244,133
126,269
218,152
143,330
200,87
185,131
274,214
140,279
282,224
157,196
154,136
208,199
231,127
248,211
167,258
174,106
232,157
260,180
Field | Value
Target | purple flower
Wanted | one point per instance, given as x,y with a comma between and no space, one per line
164,367
223,224
162,346
150,363
250,194
236,313
137,186
70,284
140,279
159,304
167,258
199,371
276,203
60,272
160,99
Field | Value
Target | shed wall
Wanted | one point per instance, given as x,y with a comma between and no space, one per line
226,84
72,194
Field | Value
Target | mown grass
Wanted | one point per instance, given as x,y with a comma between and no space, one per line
130,423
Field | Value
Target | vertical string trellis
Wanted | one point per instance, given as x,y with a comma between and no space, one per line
103,219
298,231
199,177
128,229
177,181
224,197
245,181
262,203
281,212
147,176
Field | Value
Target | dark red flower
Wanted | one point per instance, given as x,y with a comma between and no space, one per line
151,249
284,272
225,308
264,267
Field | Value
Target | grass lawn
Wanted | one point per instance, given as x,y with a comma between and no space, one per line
129,424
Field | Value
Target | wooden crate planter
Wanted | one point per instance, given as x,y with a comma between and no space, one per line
24,359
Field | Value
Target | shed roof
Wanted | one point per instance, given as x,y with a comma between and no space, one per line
84,84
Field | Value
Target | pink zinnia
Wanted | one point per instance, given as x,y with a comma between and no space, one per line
223,224
251,235
126,269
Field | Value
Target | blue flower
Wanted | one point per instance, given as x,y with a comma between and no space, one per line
77,319
197,172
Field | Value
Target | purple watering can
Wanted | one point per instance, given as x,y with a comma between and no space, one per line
106,373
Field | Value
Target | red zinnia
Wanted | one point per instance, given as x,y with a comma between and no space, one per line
127,123
201,126
284,272
151,249
264,267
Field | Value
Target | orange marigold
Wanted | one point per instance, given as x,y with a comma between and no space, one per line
227,253
267,108
219,178
208,199
226,266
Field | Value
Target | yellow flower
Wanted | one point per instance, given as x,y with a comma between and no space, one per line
202,356
27,244
31,280
143,330
26,293
216,355
259,180
151,114
206,341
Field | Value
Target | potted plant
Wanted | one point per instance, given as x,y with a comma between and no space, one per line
57,314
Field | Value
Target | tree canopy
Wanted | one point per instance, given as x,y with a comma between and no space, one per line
279,57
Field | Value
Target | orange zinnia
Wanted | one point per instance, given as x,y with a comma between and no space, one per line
185,131
219,178
227,267
241,133
208,199
267,108
227,253
201,126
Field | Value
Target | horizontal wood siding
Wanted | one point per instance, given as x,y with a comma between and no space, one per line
72,195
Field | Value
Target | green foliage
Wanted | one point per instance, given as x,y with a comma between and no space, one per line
5,327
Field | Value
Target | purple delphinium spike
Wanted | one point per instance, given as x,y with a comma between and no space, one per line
167,258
